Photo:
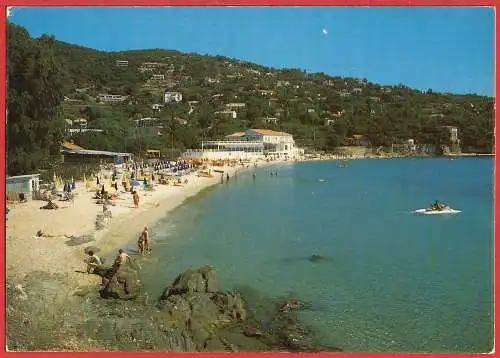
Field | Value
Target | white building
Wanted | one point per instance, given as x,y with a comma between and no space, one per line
121,63
104,97
156,107
227,114
235,105
158,77
170,97
250,144
84,130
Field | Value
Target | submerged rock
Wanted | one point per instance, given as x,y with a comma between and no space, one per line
318,258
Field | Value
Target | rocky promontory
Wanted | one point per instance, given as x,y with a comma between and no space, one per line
192,315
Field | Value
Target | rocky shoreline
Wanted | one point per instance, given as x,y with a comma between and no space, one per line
192,315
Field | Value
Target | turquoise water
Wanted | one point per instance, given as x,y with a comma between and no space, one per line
398,281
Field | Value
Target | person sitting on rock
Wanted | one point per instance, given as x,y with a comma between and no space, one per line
93,262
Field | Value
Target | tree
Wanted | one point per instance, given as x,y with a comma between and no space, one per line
34,93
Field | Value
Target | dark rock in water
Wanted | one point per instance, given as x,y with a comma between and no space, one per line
192,303
203,280
318,258
292,304
123,284
252,331
312,258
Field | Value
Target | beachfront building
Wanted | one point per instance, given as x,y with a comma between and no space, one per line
76,154
250,144
22,186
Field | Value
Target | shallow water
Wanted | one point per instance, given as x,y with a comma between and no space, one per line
397,281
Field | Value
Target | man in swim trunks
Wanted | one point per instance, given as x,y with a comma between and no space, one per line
143,242
120,259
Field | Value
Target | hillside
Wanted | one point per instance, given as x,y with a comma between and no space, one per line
321,111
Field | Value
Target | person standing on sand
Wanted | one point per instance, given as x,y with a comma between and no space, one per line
135,196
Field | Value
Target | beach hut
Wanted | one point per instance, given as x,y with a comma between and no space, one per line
22,186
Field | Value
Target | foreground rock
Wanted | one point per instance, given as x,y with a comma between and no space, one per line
192,315
123,284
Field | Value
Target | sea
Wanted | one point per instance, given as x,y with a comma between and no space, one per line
392,280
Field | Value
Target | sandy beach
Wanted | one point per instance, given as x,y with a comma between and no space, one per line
26,253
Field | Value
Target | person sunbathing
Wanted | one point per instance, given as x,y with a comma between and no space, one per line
40,234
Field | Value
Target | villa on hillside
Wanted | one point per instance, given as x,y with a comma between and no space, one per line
250,144
104,97
121,63
172,97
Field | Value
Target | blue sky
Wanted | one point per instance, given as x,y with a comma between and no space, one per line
446,49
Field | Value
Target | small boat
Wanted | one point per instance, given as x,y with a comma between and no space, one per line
445,210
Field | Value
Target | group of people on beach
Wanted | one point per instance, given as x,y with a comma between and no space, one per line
144,247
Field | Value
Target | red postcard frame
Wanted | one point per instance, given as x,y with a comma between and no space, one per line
3,17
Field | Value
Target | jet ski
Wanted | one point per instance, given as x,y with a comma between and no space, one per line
435,211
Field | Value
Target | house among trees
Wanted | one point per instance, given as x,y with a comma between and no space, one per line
271,120
121,63
104,97
236,105
158,78
157,107
145,127
359,140
226,114
170,97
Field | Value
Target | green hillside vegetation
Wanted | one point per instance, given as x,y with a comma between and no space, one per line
50,82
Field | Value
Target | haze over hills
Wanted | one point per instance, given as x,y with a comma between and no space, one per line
321,111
